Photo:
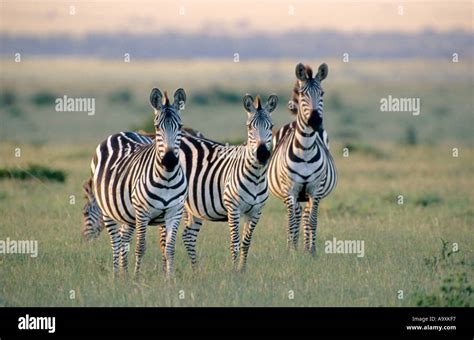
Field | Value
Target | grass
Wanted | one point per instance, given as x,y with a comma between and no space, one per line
398,241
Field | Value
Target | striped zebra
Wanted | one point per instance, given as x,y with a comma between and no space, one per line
138,182
229,182
301,168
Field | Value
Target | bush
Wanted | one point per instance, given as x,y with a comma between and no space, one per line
428,199
7,98
43,99
34,171
121,97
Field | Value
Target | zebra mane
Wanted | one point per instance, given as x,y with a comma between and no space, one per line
166,100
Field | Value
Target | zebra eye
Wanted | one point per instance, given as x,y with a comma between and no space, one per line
322,93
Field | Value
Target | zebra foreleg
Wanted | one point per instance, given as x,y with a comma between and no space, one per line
127,233
171,231
307,226
141,245
190,234
163,246
312,226
293,226
247,238
234,225
115,240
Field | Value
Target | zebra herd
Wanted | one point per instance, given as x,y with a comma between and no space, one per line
140,179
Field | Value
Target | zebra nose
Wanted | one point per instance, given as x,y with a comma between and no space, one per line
263,154
169,160
315,120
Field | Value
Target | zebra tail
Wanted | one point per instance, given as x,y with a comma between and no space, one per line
92,223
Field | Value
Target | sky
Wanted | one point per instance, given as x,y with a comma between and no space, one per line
231,17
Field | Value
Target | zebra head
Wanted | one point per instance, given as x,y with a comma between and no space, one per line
168,126
259,126
307,100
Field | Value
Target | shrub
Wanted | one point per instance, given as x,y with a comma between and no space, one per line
33,171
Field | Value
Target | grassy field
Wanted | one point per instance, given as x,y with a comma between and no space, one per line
403,247
417,253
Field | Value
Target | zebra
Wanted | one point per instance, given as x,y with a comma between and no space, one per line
301,168
229,182
138,182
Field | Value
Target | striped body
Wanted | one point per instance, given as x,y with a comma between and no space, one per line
128,181
301,168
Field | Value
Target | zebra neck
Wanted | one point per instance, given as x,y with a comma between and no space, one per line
304,144
159,171
251,164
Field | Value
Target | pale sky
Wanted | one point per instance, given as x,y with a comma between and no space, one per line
235,17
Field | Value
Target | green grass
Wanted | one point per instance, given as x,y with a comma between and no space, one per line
398,241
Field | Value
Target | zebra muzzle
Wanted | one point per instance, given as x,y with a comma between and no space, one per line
263,154
315,121
169,160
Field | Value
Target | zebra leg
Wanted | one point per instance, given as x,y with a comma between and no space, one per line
141,245
171,231
307,227
190,234
313,222
234,224
115,240
163,246
298,222
127,233
293,226
247,238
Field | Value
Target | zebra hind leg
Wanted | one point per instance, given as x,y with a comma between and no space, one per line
190,234
115,241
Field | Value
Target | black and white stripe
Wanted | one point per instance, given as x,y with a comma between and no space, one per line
301,168
138,182
229,182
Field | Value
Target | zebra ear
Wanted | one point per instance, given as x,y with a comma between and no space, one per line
156,99
179,99
272,103
322,72
248,103
300,72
